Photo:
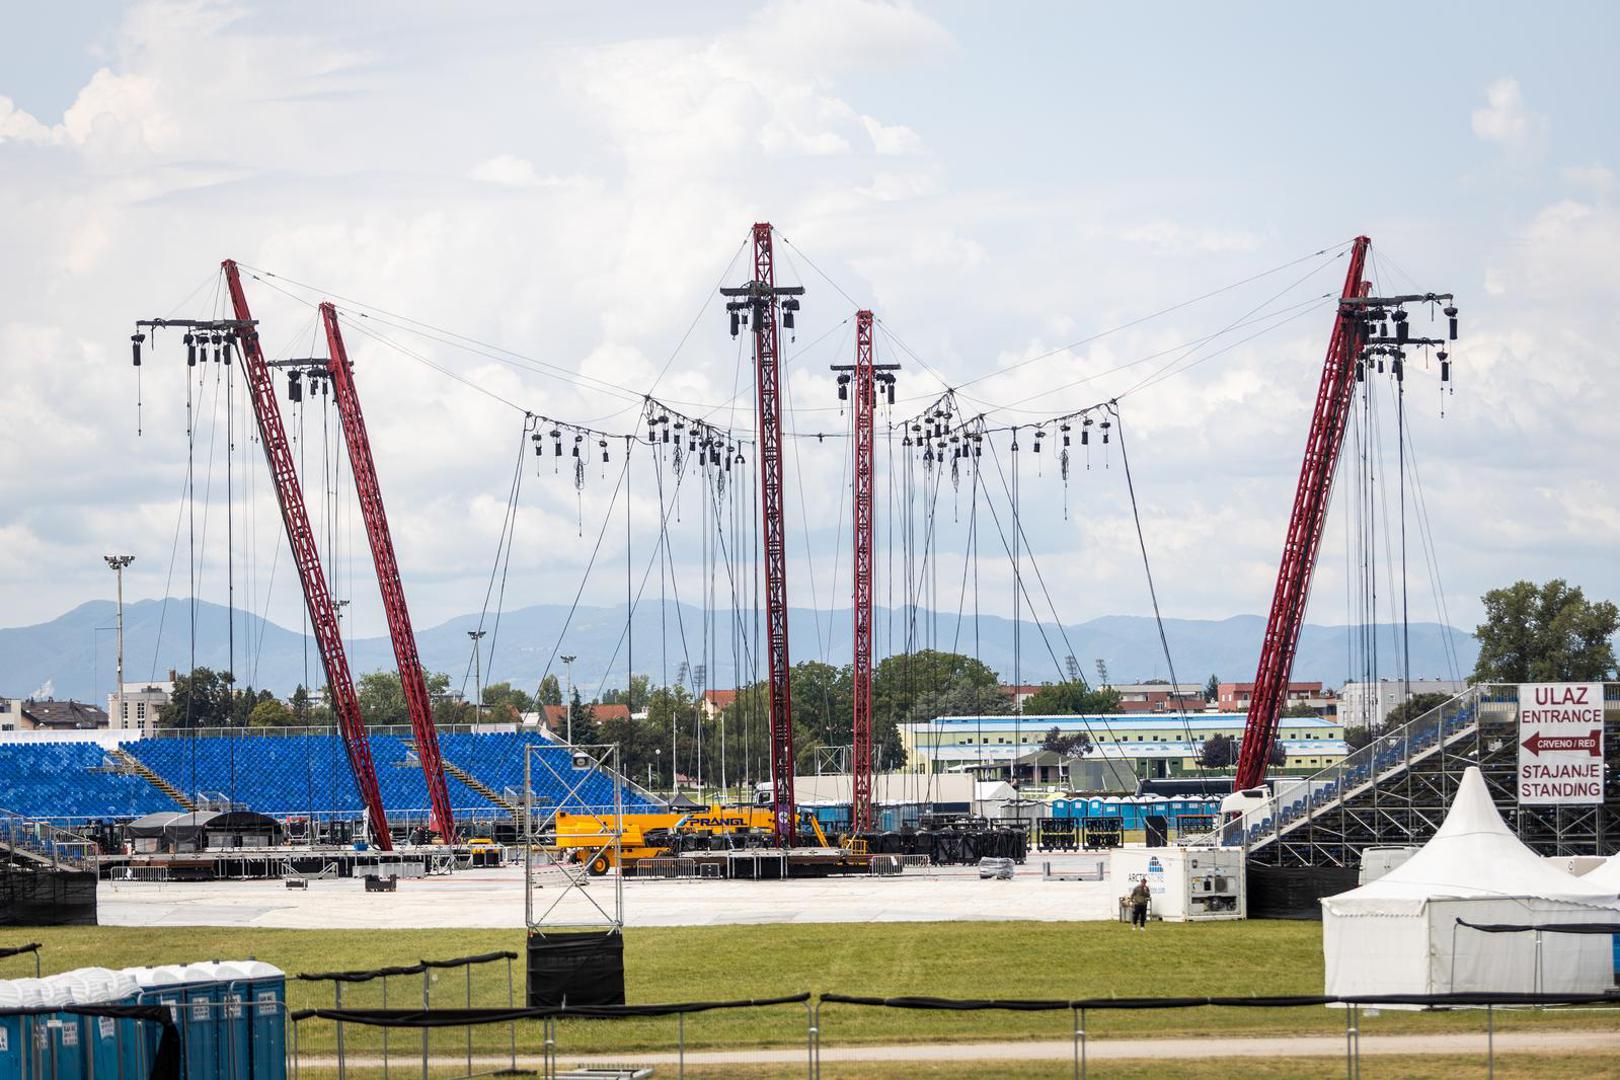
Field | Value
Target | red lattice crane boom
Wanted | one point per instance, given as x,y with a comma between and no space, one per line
1334,398
863,377
761,300
301,538
412,679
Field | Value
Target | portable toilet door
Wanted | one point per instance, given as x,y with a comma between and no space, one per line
164,986
205,1006
33,1037
131,1034
66,1048
98,1035
232,1038
13,1033
264,988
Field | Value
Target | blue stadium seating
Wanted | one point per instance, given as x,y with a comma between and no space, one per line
55,780
292,775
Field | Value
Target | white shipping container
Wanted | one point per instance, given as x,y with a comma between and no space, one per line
1187,884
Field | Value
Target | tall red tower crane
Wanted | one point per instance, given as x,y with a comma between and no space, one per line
412,679
295,516
865,375
1360,329
762,301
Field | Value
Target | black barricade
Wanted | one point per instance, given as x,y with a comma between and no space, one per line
47,897
1294,892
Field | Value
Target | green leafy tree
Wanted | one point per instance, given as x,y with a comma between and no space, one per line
550,691
1212,689
640,691
1218,752
1411,709
505,702
270,713
382,700
300,705
1299,711
200,699
1545,633
1075,745
1071,699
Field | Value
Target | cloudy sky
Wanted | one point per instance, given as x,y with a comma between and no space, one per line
1006,185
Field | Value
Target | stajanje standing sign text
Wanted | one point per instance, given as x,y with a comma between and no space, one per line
1560,743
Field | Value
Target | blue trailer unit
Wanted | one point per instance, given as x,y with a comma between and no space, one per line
263,988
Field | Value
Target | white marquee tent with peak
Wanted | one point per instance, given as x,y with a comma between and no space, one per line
1401,933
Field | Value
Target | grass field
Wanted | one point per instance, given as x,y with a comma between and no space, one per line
956,959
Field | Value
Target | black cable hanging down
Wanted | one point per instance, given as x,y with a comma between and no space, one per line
1147,568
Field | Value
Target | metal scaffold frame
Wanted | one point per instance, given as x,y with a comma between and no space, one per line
1397,790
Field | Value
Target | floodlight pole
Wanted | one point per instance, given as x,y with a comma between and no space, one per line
118,562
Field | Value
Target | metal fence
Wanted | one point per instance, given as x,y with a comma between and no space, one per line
545,1027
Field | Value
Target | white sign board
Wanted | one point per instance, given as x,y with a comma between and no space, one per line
1560,743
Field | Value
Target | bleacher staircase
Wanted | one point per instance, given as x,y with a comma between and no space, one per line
131,763
1396,790
456,772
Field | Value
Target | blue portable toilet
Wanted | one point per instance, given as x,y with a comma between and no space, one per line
62,1031
130,1035
13,1033
165,986
263,987
98,1035
205,1007
32,1043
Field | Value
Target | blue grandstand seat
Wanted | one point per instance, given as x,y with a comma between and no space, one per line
60,781
287,775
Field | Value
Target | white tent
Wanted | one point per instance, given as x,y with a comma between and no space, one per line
1607,874
1400,934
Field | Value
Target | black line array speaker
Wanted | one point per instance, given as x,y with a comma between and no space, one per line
579,968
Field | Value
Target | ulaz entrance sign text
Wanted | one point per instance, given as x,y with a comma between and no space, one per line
1560,743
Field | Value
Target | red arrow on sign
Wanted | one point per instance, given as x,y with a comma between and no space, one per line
1592,744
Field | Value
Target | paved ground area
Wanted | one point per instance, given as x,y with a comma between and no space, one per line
494,899
1327,1046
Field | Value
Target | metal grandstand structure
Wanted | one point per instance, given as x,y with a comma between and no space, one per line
1397,789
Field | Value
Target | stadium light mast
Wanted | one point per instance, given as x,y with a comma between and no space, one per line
568,698
118,562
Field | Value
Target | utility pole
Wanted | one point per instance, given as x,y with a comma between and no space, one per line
866,376
568,698
762,301
118,562
478,674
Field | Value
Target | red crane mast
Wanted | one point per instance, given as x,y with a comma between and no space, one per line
295,516
1334,398
412,679
760,300
865,376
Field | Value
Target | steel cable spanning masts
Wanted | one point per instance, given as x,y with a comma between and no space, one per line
761,300
864,374
301,537
412,679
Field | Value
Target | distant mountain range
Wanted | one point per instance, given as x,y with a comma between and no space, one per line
66,657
